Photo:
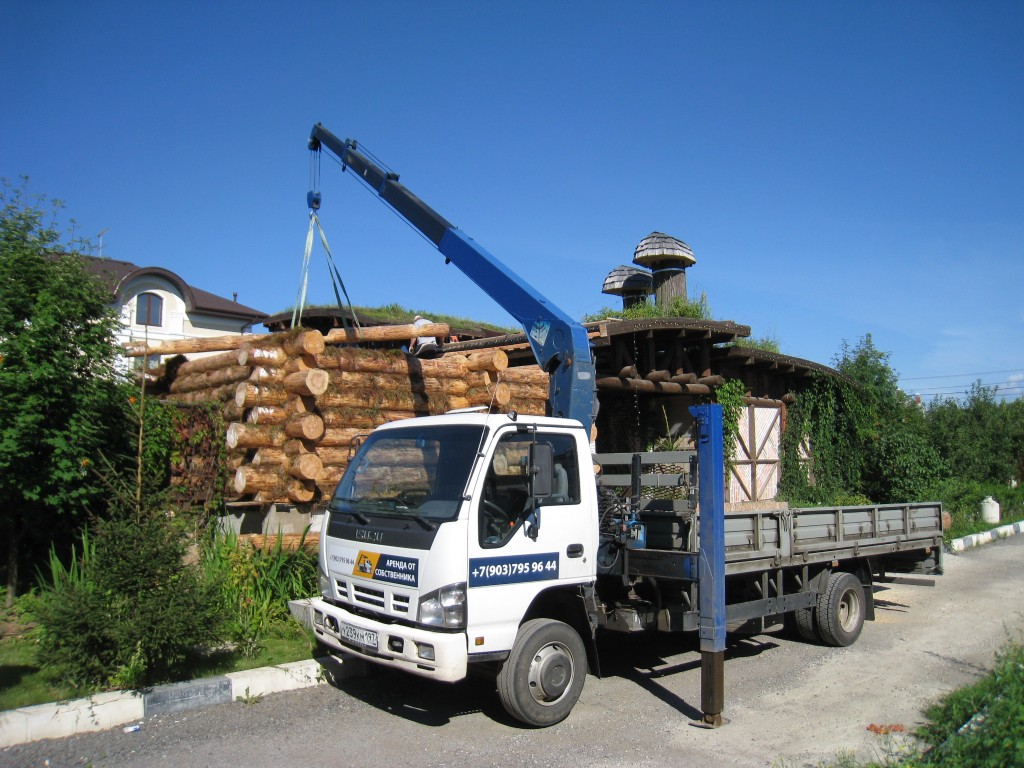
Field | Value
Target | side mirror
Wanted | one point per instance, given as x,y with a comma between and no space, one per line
542,469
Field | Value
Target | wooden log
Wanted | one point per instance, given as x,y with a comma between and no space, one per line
204,364
684,378
312,382
385,333
296,446
250,479
484,360
329,477
711,381
342,436
391,401
299,363
275,496
300,404
249,354
254,436
334,456
263,374
367,419
496,394
231,411
301,491
187,346
266,414
216,395
525,374
249,395
398,382
348,359
652,387
762,402
529,391
269,455
629,372
306,342
305,426
305,466
658,375
289,542
528,407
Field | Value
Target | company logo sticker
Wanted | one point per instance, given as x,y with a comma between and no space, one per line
390,568
540,330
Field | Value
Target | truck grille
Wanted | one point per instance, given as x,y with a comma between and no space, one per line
368,596
356,593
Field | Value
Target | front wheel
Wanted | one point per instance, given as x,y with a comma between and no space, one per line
543,676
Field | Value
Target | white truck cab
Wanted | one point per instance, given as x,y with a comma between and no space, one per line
448,535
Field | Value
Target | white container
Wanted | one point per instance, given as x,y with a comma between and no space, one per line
989,510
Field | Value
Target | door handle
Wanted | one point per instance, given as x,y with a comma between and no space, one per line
574,550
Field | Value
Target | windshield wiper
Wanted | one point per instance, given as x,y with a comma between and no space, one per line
427,525
348,509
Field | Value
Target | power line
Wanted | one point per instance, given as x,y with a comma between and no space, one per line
960,375
957,387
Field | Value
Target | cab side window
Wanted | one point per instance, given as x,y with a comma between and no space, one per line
506,500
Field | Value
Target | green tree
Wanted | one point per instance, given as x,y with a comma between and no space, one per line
981,438
59,392
868,438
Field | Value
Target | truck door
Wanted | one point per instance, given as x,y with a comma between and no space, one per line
518,547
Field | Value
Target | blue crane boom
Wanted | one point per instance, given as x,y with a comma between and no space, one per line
558,342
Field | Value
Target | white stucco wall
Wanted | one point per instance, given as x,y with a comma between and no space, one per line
176,322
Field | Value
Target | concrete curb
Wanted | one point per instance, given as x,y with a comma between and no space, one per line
977,539
108,710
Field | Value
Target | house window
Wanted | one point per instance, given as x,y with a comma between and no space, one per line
148,309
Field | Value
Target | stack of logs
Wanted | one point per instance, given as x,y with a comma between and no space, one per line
297,404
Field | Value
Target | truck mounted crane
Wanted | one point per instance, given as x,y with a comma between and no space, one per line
481,540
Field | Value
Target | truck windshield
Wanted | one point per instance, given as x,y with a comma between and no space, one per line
418,472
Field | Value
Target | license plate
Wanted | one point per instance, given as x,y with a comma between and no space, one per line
364,637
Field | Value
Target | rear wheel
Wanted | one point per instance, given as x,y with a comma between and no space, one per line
840,612
543,677
805,624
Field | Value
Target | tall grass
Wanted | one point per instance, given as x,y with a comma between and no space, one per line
256,584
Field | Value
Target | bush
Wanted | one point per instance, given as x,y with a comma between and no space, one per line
128,612
962,499
255,586
982,724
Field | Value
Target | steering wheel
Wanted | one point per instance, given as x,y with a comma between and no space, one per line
496,519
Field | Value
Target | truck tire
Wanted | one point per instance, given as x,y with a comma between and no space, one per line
543,677
840,611
806,624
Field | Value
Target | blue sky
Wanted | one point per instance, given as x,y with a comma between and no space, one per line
838,168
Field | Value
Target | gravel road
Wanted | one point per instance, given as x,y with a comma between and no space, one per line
789,703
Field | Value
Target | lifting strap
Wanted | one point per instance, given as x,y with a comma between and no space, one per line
332,269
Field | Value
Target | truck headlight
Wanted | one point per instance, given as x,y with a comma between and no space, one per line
444,607
324,581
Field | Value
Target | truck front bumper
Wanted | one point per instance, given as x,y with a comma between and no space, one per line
437,655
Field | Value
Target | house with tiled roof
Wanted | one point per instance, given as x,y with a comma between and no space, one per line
158,305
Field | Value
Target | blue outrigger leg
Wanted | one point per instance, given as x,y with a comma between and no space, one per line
711,556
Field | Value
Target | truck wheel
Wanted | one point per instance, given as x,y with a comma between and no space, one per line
806,625
543,677
840,611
